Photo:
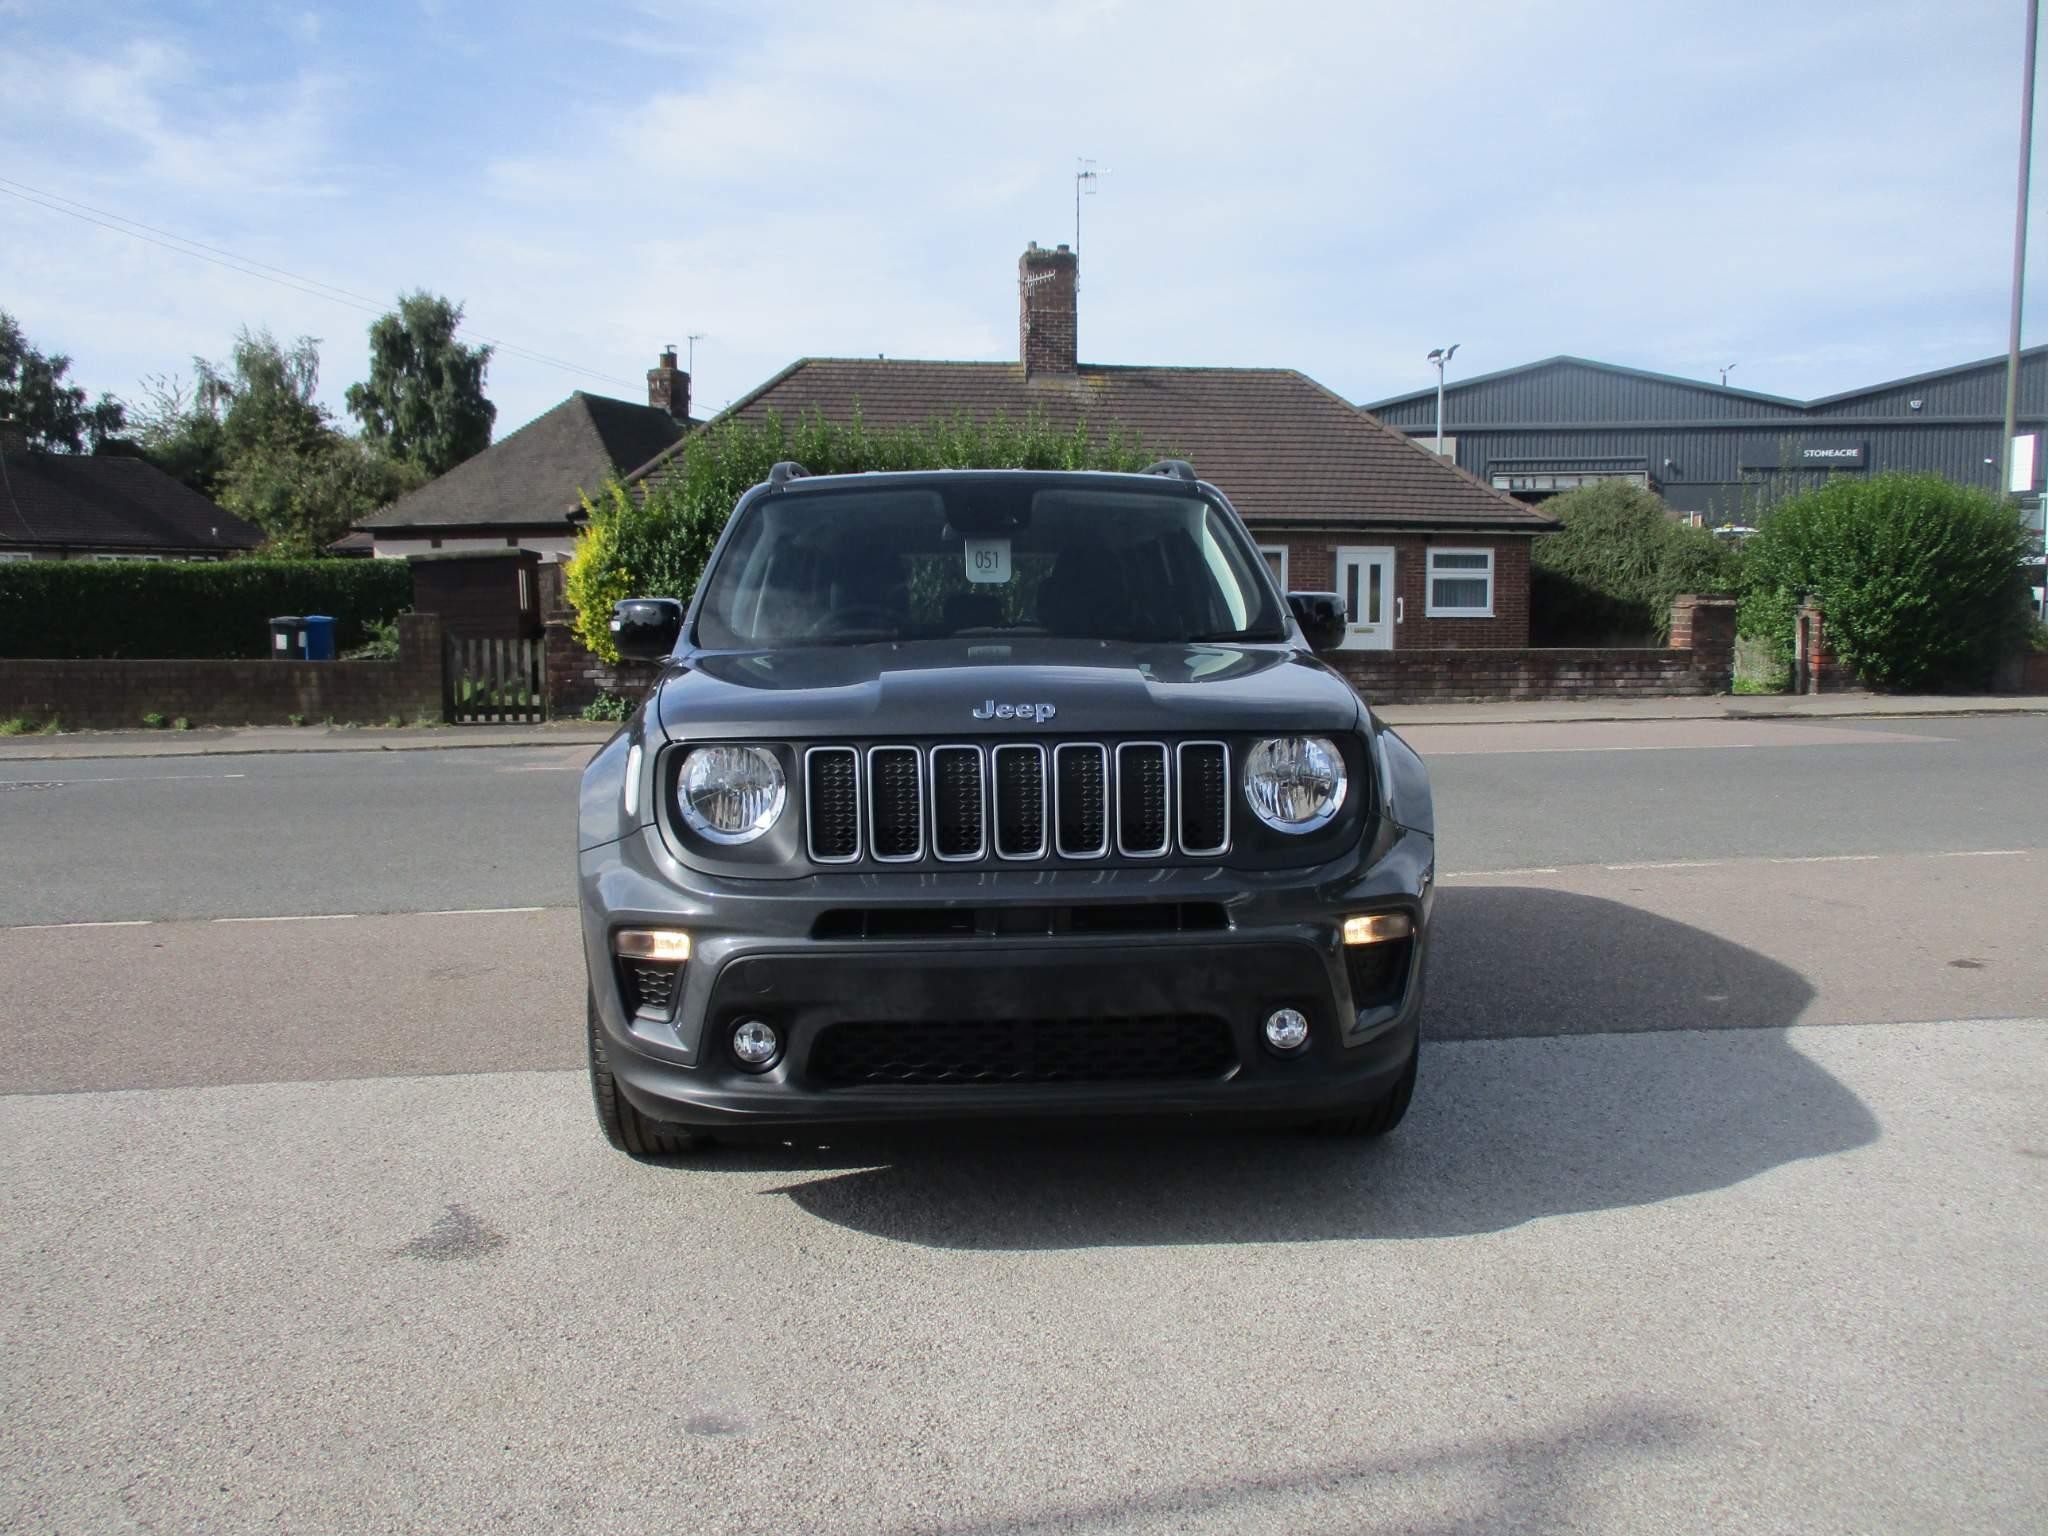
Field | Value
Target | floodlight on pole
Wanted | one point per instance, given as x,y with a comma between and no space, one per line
1440,356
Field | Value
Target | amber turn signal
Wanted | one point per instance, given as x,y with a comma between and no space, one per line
670,944
1377,927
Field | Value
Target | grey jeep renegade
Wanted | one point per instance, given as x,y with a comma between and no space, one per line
980,794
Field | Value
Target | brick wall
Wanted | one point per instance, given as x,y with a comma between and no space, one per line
1312,567
1703,665
576,676
115,695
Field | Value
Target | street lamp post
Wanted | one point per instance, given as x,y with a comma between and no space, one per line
1441,356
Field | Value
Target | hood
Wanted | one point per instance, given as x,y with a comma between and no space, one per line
961,691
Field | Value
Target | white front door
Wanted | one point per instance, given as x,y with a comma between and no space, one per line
1365,578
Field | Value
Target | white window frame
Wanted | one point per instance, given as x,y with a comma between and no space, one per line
1430,607
15,554
1282,551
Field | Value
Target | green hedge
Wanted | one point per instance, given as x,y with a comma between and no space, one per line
68,609
1609,577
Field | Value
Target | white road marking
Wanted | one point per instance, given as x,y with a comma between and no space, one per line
1838,858
1985,853
301,917
162,778
1669,864
476,911
126,922
1494,874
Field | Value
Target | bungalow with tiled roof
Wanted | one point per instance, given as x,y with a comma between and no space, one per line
525,491
75,506
1426,555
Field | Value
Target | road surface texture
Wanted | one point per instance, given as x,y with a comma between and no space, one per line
1721,1206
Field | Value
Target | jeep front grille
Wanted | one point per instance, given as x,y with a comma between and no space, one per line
895,804
1016,801
832,793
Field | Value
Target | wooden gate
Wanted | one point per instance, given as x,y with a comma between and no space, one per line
488,681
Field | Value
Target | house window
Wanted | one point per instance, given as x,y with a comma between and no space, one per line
1460,584
15,554
525,595
1275,556
151,558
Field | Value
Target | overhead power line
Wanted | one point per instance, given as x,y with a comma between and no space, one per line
150,234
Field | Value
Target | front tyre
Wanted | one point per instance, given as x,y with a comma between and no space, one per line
623,1125
1381,1116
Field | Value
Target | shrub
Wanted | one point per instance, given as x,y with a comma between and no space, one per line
607,706
67,609
653,540
1918,578
1610,575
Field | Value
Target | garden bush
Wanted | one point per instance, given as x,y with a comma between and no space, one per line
1918,578
1610,576
652,540
67,609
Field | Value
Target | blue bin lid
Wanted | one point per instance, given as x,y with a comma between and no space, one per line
319,618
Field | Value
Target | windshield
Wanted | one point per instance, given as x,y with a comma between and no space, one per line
977,557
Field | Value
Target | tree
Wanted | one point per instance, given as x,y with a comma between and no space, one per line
1918,579
306,495
424,400
1612,572
54,414
652,540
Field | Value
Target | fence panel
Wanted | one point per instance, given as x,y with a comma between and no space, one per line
491,681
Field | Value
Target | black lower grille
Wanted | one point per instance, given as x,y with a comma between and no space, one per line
1164,1048
651,985
1377,972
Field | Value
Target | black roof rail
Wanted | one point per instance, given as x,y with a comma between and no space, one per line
1178,469
785,471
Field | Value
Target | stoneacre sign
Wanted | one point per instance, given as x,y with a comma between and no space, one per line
1793,453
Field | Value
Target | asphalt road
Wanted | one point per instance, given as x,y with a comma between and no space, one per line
316,832
1721,1206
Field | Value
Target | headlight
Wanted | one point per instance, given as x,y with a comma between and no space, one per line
1295,783
730,794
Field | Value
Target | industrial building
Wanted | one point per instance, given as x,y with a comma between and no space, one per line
1723,453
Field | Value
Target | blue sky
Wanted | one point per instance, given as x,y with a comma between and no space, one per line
1821,194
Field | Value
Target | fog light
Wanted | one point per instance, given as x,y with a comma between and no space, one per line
755,1044
1287,1030
668,944
1378,927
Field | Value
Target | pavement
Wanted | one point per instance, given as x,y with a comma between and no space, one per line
267,739
1720,1206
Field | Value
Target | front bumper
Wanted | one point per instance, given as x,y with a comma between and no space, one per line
754,955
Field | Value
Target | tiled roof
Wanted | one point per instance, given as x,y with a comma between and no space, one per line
111,503
1285,450
535,476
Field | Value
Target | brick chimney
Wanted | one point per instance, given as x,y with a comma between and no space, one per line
1048,323
668,387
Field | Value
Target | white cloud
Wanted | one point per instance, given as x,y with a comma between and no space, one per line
1335,187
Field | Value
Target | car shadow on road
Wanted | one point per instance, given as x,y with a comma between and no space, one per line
1518,1113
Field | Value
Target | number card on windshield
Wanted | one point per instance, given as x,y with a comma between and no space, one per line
988,560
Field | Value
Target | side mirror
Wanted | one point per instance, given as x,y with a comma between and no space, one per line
1321,616
647,628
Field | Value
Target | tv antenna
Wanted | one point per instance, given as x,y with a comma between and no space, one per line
1086,175
695,337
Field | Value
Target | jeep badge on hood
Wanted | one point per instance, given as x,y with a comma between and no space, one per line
991,710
